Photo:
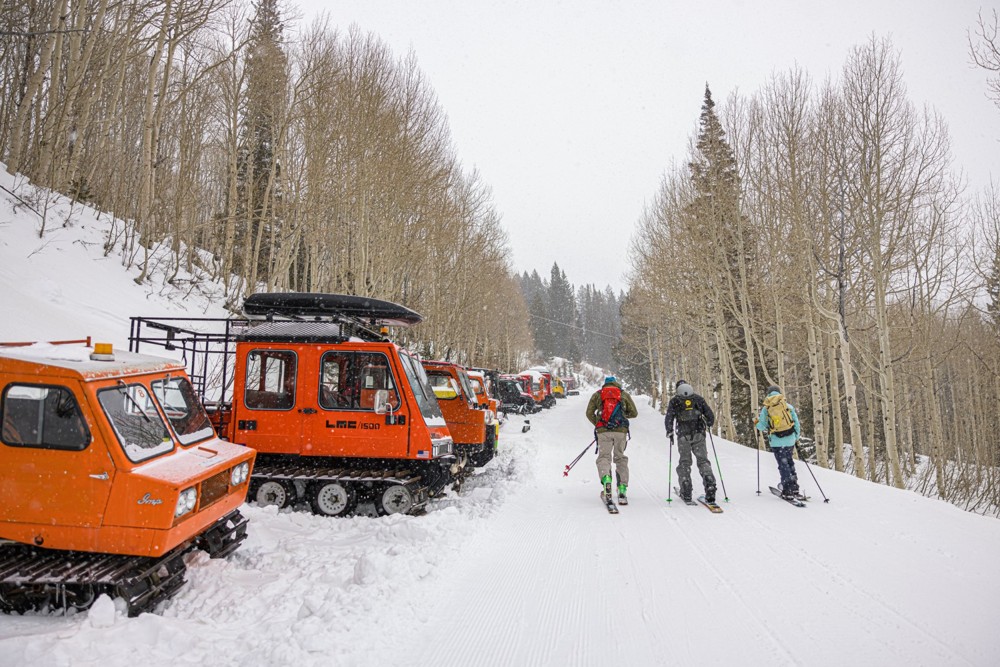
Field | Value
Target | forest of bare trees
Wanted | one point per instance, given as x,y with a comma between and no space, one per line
818,238
266,157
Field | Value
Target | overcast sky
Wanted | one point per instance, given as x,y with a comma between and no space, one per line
572,111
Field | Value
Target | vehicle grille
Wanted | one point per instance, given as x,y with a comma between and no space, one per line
214,487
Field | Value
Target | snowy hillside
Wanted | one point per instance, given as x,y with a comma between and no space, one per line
62,286
525,567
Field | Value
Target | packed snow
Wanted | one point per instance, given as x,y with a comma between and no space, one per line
524,566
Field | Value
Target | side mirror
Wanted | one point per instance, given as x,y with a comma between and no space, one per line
445,393
381,401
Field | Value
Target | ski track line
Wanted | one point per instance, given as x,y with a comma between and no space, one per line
778,647
767,546
851,588
870,629
508,600
652,630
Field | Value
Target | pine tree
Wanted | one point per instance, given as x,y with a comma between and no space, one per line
630,358
258,170
993,291
716,211
562,313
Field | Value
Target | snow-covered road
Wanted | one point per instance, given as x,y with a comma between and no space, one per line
877,576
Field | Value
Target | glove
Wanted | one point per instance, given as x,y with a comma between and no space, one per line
670,438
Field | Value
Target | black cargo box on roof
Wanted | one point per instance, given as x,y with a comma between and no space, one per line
307,304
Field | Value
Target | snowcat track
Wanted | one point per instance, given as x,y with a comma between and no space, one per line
225,536
33,577
361,478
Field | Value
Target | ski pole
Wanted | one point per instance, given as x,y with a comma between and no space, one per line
570,466
670,467
725,496
759,437
825,499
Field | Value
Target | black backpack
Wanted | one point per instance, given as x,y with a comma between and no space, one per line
688,415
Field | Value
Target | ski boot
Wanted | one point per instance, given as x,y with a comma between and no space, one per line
790,494
606,493
710,495
686,492
622,498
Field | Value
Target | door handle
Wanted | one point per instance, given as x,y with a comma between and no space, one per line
308,411
103,475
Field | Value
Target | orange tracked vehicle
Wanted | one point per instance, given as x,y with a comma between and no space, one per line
337,413
541,386
110,472
471,425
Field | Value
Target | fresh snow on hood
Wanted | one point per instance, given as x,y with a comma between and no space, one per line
523,566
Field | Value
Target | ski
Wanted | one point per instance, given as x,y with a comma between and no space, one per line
712,507
681,496
790,501
609,503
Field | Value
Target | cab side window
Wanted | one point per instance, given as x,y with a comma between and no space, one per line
42,416
270,380
349,380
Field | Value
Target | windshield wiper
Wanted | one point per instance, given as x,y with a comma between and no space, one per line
124,388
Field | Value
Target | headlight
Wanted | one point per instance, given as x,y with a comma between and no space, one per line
441,446
186,501
239,474
491,418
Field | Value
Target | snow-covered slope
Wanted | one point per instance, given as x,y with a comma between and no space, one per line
63,286
525,567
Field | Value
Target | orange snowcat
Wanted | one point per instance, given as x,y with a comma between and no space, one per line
484,399
471,426
110,472
337,412
540,386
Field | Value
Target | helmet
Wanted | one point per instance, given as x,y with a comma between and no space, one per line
773,389
609,379
678,384
685,390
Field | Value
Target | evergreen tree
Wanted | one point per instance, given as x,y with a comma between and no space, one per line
716,209
598,324
562,313
258,171
993,290
629,358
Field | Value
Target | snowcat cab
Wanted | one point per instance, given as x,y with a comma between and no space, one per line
110,472
471,426
337,412
513,397
486,402
541,386
558,388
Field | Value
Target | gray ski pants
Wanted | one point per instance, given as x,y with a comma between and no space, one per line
693,444
608,443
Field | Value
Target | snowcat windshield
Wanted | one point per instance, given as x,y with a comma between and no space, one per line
183,409
136,421
422,391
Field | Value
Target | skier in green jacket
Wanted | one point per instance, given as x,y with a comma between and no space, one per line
609,410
